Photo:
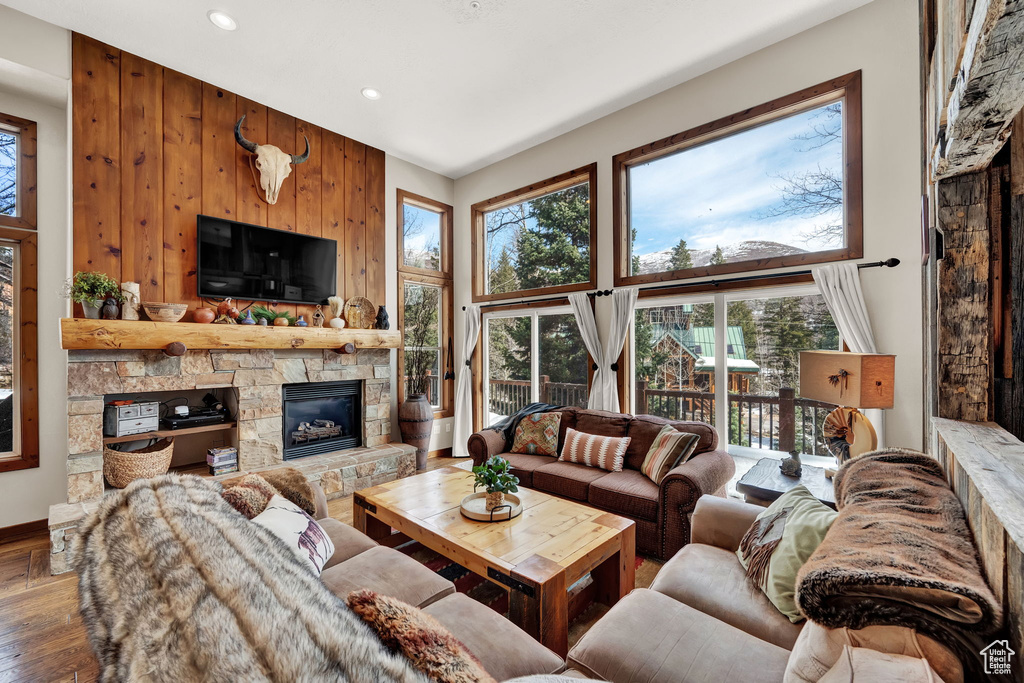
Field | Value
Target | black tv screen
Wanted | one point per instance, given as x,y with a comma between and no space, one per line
242,261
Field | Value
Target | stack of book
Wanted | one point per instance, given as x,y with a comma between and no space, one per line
222,460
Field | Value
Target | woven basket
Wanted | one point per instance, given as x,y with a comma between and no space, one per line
123,467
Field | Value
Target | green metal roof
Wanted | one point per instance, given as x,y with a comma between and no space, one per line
704,342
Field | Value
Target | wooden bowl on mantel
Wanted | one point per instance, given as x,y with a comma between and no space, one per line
163,312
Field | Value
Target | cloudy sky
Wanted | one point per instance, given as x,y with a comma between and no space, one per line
719,193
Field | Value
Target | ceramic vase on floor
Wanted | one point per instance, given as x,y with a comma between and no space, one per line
415,422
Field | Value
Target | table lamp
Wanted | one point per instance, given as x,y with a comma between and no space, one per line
853,381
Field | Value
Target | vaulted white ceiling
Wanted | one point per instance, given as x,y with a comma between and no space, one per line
462,86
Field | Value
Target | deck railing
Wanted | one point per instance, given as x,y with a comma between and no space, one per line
780,422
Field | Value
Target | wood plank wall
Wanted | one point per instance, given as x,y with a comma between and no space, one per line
153,148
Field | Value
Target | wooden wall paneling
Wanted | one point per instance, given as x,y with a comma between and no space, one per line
963,339
281,216
308,180
142,190
249,207
355,219
218,153
376,273
281,132
96,165
183,184
333,198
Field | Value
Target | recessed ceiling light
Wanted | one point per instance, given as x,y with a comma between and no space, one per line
371,93
474,4
221,20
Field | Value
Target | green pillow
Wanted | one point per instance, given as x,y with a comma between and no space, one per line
780,541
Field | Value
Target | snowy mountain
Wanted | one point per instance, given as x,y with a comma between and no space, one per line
748,250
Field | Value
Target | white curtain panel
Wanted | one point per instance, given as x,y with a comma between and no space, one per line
580,303
839,284
464,389
623,306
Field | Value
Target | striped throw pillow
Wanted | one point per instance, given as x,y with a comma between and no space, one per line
670,448
605,452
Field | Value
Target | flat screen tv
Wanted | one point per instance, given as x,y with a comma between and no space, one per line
242,261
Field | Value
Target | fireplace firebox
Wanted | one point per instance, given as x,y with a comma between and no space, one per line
320,417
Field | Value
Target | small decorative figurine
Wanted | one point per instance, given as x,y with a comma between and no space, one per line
383,323
263,321
110,310
247,319
791,466
301,322
318,316
130,308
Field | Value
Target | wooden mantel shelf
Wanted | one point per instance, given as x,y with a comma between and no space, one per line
81,333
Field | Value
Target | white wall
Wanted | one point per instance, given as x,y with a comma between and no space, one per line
880,39
402,175
35,64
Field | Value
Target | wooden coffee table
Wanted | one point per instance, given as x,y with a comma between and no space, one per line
537,556
764,483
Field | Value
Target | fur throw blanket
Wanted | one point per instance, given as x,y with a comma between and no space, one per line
176,585
251,493
899,553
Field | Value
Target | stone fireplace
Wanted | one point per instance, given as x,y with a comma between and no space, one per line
254,384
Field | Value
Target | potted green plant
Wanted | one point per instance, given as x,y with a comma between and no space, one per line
90,289
496,478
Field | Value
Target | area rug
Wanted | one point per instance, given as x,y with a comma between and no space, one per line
496,597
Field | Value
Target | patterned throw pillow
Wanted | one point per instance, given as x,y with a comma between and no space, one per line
420,637
537,434
298,530
604,452
670,449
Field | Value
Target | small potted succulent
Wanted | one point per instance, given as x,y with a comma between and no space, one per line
496,478
91,289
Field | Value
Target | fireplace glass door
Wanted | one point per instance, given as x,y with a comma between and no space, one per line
320,417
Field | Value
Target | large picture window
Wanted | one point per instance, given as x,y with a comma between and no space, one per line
19,404
539,239
774,186
530,355
17,172
425,300
676,361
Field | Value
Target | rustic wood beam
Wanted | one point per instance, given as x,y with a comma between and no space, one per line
81,333
986,92
347,348
964,378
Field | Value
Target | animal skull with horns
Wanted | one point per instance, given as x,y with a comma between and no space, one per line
274,165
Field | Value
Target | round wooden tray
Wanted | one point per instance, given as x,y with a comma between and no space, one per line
360,313
474,506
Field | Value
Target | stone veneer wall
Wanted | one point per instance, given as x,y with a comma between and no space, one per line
255,375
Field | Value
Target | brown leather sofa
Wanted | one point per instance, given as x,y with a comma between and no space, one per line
662,513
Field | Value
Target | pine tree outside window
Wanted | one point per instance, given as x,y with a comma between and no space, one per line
538,239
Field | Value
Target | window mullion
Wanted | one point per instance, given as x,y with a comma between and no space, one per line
721,371
535,356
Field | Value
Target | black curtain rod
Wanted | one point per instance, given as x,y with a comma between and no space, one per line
887,263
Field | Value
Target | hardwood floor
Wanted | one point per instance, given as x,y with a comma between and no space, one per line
42,637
